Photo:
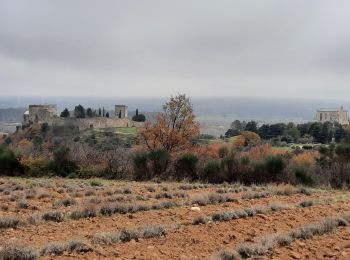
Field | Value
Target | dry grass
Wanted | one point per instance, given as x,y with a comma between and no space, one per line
84,213
126,235
8,222
65,202
16,252
211,198
54,216
60,248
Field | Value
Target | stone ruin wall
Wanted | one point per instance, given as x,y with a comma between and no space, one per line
95,122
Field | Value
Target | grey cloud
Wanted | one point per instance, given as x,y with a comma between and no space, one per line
201,47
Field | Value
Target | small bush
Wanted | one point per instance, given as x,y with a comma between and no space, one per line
54,216
53,249
153,231
159,162
283,239
248,212
9,163
61,164
140,165
127,235
307,203
8,222
186,167
23,204
164,205
201,220
30,194
211,198
85,213
90,192
151,189
303,177
106,238
127,191
164,195
34,219
65,202
60,248
211,172
228,255
274,165
4,207
180,195
106,211
96,183
13,252
77,246
139,118
43,195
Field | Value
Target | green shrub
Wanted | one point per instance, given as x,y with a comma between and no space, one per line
9,163
159,161
140,165
61,163
229,168
96,183
37,140
8,140
186,166
212,172
38,168
274,165
139,118
303,177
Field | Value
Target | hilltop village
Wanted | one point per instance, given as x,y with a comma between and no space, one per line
81,117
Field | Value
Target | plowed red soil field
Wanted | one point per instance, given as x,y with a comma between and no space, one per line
113,219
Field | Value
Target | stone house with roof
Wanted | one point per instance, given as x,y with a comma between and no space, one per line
333,115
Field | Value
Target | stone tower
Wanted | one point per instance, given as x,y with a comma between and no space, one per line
121,111
40,113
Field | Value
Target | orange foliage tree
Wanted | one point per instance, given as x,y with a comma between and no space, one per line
246,138
174,127
305,158
251,138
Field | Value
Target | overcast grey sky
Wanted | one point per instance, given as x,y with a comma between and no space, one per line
279,48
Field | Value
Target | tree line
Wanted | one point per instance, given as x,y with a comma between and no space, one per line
80,112
165,151
312,132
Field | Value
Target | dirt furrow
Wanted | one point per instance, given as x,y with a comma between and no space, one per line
198,242
38,235
330,246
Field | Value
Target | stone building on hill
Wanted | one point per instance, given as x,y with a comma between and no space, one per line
39,113
48,114
333,115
